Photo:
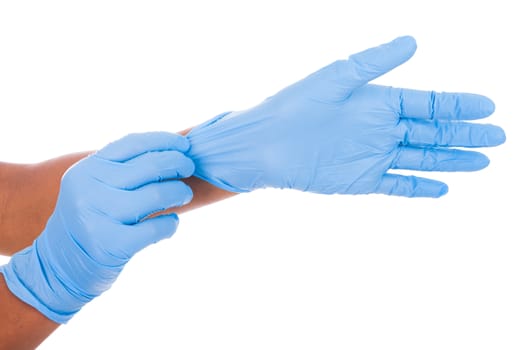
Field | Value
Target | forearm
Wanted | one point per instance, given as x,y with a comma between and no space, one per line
29,192
28,196
21,326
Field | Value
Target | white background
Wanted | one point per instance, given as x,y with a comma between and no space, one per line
280,269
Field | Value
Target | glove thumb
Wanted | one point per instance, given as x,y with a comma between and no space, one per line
336,81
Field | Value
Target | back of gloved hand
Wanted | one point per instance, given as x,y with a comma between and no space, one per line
334,133
100,221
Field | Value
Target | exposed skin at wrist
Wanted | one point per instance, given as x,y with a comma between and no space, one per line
21,326
28,193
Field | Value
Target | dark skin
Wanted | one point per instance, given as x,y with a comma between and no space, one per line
21,326
28,193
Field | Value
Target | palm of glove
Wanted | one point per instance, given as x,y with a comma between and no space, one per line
324,159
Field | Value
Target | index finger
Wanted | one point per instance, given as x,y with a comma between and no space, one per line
443,105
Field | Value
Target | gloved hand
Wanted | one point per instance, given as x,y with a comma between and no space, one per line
98,223
334,133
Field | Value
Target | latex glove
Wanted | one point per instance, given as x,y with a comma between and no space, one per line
98,225
334,133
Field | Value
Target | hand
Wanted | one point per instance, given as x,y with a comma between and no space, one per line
100,221
334,133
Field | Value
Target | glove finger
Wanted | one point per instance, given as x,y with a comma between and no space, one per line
411,186
450,106
336,81
150,231
362,67
146,168
451,134
133,145
130,207
114,243
432,159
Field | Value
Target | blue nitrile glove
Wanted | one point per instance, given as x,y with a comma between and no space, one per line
334,133
98,223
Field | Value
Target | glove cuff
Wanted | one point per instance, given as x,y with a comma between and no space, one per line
26,279
201,170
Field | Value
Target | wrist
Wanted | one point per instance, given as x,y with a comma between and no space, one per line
27,191
21,326
54,276
13,208
26,278
220,158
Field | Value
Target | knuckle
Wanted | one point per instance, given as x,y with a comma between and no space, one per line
430,160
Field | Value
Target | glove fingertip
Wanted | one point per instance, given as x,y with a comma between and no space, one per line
175,222
165,226
429,188
187,167
183,192
487,106
497,136
481,161
442,191
368,65
400,50
183,143
408,41
189,196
